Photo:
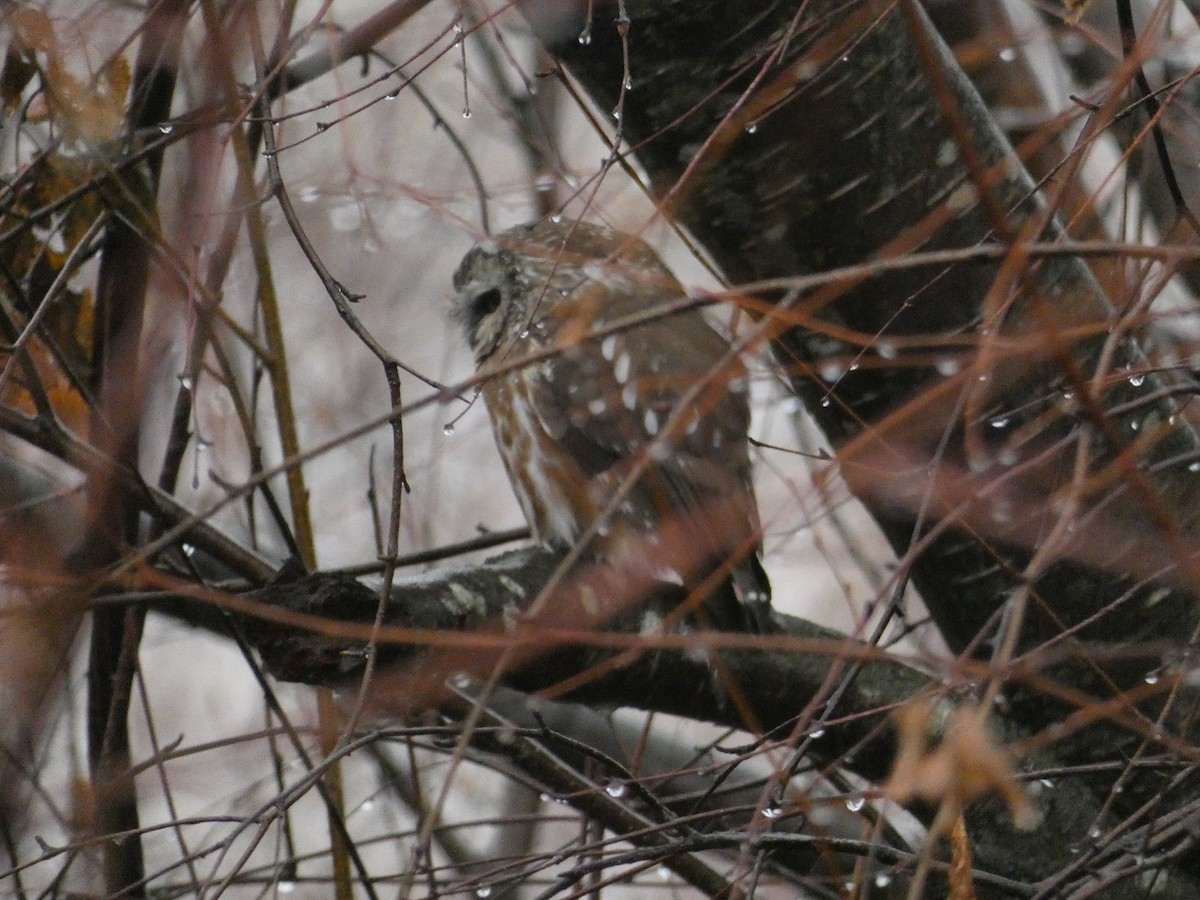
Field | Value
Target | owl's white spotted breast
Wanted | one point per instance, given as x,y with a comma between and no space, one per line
550,488
586,418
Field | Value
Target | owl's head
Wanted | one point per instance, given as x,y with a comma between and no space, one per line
489,305
504,283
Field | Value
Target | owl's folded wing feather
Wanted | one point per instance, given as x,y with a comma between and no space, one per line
663,403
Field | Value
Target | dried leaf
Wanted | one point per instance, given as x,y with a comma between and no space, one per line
68,404
1075,10
962,886
33,29
959,768
93,108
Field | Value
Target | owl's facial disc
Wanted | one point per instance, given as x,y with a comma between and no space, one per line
479,308
490,307
483,305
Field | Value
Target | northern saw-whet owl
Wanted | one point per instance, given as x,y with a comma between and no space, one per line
662,402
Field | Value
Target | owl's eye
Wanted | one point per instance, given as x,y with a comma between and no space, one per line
486,303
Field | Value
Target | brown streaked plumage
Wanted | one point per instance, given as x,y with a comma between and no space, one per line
574,426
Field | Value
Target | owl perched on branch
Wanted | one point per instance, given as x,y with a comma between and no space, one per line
628,425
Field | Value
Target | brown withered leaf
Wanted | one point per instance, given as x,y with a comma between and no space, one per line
33,29
1075,10
952,772
91,107
962,885
68,404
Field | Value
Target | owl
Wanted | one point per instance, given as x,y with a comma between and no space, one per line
649,415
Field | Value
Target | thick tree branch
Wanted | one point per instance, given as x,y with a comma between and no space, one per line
461,620
447,629
1000,421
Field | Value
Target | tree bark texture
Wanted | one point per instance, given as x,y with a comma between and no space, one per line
467,623
997,416
841,154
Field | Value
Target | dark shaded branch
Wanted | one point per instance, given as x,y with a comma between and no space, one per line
456,620
355,42
447,629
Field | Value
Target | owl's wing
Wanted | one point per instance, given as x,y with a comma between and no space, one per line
608,401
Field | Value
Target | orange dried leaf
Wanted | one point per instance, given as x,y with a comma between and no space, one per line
119,78
67,402
1075,10
964,765
962,886
69,406
34,29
